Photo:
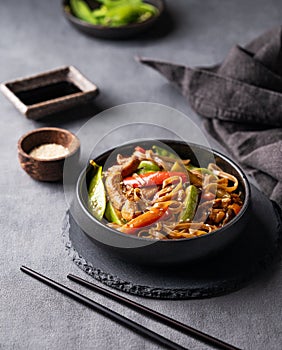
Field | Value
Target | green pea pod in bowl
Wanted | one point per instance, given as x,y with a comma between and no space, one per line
96,192
108,19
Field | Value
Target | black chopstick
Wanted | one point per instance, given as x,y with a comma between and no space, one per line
103,310
208,339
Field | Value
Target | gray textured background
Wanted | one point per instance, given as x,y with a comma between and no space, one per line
35,37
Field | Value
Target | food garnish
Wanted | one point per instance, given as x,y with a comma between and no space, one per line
49,151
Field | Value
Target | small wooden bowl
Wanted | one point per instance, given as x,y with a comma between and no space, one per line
45,169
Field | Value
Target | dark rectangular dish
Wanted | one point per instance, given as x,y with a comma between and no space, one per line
49,92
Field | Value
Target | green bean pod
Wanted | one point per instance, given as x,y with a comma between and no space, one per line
146,166
190,203
96,193
111,214
122,15
204,171
163,152
82,11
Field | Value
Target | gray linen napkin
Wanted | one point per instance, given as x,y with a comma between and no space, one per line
241,101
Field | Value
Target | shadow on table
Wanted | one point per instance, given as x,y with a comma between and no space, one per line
161,29
81,112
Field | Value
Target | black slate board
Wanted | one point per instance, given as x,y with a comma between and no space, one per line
255,251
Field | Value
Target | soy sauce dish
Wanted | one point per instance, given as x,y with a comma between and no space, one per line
160,249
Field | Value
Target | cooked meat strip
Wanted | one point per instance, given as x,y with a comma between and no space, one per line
126,166
134,205
229,216
195,179
113,182
130,166
130,210
203,211
221,203
113,169
161,163
236,198
150,155
217,215
121,159
149,192
114,189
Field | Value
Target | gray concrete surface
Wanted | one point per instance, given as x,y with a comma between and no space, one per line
35,37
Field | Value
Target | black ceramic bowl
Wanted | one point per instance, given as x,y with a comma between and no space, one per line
152,252
104,32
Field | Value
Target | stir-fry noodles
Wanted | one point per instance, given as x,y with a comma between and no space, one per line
154,194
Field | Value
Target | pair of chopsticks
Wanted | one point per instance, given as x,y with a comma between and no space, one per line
133,305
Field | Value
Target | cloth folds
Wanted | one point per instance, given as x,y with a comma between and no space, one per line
241,101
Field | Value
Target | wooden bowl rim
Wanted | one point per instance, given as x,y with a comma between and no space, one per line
35,131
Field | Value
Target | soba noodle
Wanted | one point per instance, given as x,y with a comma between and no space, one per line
169,204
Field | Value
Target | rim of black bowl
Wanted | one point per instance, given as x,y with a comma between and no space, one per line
160,7
245,206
